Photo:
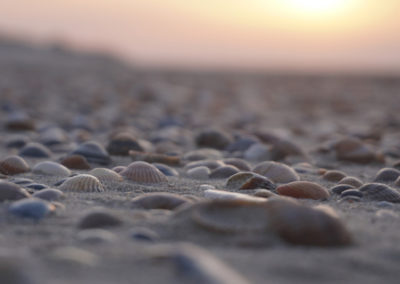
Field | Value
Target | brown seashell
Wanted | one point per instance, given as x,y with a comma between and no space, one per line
82,183
13,165
379,192
105,175
75,162
119,169
98,218
18,121
143,172
238,163
387,175
237,180
224,172
122,143
277,172
303,189
155,158
159,200
258,181
11,191
354,150
334,176
351,181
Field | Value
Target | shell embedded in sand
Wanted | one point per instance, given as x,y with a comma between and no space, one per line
159,200
106,175
75,162
212,138
249,180
11,191
338,189
354,150
143,172
31,208
49,194
198,172
122,143
13,165
202,154
351,181
387,175
155,158
51,168
304,189
35,150
380,192
98,218
224,172
82,183
277,172
166,170
93,152
238,163
333,175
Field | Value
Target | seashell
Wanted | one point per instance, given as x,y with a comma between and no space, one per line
257,152
354,150
98,218
19,121
35,150
73,257
338,189
49,194
93,152
350,199
15,269
51,169
17,141
386,214
159,200
96,236
212,138
379,192
387,175
155,158
237,180
75,162
214,194
223,172
264,193
238,163
211,164
119,169
22,181
122,143
53,136
351,192
351,181
82,183
241,144
284,148
304,189
277,172
144,234
168,171
202,154
105,175
198,172
305,168
143,172
36,186
248,180
397,182
334,176
31,208
13,165
11,191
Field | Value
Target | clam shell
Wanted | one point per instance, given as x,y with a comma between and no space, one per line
122,143
11,191
379,192
105,175
75,162
13,165
82,183
159,200
303,189
143,172
198,172
387,175
257,152
155,158
277,172
35,150
353,181
238,163
237,180
93,152
53,136
51,169
351,192
224,172
334,176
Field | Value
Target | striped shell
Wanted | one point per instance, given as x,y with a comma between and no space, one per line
143,172
13,165
51,169
106,175
304,189
277,172
379,192
82,183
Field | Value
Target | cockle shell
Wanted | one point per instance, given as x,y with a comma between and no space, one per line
338,189
238,163
387,175
51,168
379,192
13,165
159,200
303,189
277,172
224,172
75,162
82,183
11,191
155,158
334,175
143,172
351,181
106,175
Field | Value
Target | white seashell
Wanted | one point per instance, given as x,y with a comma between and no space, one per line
82,183
51,169
277,172
201,172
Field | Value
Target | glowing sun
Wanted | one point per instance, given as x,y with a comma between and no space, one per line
316,7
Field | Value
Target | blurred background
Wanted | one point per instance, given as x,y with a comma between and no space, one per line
284,35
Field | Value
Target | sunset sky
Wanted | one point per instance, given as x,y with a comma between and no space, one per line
270,34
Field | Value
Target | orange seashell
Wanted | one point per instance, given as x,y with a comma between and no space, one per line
304,189
75,162
143,172
13,165
82,183
277,172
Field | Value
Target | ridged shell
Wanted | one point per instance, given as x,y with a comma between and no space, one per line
51,169
304,189
238,163
380,192
106,175
155,158
82,183
224,172
75,162
334,176
351,181
143,172
13,165
387,175
277,172
35,150
11,191
159,200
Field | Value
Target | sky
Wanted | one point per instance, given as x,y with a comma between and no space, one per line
344,35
